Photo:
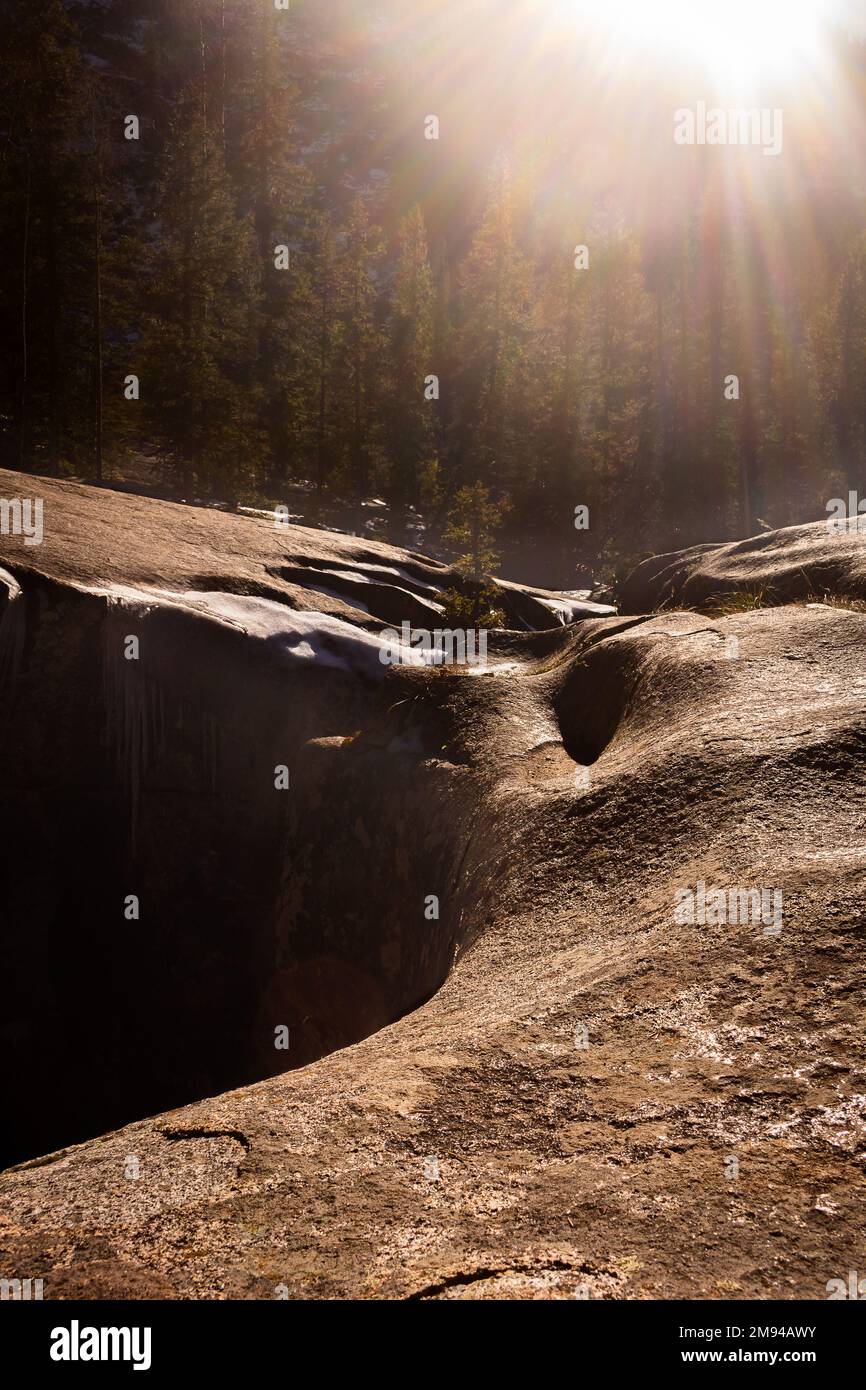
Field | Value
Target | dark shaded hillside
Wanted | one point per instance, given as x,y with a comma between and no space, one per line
283,260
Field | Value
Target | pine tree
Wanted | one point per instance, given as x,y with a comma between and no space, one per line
359,352
848,358
46,304
473,522
564,461
324,336
410,405
494,315
198,384
277,189
620,416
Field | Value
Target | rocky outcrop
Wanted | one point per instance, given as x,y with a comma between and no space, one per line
553,1041
824,558
174,902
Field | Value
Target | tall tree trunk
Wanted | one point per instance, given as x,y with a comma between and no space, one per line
223,75
22,411
97,316
56,411
203,48
324,343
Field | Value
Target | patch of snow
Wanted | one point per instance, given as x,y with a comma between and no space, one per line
340,598
352,576
494,670
11,583
400,573
270,515
572,610
298,637
356,577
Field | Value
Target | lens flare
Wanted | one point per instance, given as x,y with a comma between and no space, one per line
738,41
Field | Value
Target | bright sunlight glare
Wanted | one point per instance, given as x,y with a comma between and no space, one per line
738,40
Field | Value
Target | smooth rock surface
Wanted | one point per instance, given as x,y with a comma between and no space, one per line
559,1113
798,562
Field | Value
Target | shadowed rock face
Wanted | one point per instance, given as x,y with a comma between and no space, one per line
799,562
154,778
562,1114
